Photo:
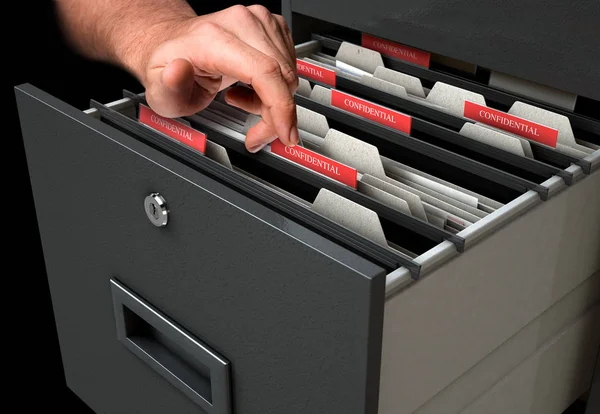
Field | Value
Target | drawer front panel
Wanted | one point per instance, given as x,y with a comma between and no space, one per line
298,318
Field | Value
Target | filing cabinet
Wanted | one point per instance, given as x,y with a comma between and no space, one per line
181,285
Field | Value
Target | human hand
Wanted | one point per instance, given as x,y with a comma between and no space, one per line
203,55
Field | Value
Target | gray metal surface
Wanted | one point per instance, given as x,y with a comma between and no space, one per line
482,297
550,42
551,379
594,159
499,363
533,90
298,317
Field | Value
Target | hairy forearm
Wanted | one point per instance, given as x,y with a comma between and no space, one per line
121,32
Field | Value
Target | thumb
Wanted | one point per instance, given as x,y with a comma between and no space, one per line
174,90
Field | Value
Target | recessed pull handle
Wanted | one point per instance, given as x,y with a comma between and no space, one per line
184,361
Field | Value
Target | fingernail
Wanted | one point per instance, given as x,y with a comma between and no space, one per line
294,138
257,148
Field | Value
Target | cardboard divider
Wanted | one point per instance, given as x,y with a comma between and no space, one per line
350,215
218,153
311,121
321,94
413,201
552,120
384,86
411,84
494,138
360,57
384,197
452,98
304,87
351,151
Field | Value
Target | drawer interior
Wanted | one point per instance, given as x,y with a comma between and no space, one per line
416,246
437,101
583,115
420,195
475,198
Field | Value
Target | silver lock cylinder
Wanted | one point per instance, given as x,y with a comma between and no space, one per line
156,209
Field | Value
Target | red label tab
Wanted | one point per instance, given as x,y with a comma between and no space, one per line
316,162
379,114
173,129
511,123
316,72
396,50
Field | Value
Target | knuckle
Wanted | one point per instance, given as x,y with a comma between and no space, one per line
265,17
289,74
210,29
281,20
241,12
270,67
295,84
260,11
288,106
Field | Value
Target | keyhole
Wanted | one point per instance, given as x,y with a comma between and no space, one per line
153,210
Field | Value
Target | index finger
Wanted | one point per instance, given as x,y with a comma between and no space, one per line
227,55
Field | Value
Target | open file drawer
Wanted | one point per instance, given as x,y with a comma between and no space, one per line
243,304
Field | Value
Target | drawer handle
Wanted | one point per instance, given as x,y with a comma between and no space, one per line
184,361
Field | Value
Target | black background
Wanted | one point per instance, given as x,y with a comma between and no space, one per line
36,53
